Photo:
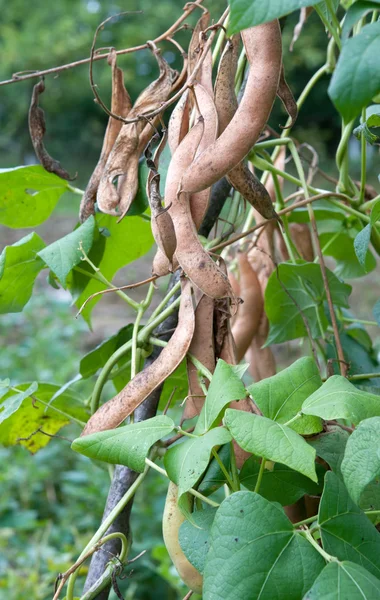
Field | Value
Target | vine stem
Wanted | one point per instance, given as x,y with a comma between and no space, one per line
110,518
191,490
190,7
322,552
260,475
297,161
224,470
363,177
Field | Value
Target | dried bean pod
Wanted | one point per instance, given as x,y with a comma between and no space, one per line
179,122
37,130
161,265
250,311
132,139
286,96
113,412
202,347
206,106
121,104
171,522
263,48
195,46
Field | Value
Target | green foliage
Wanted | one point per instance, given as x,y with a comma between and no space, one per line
239,538
247,13
128,445
194,537
340,580
330,446
272,441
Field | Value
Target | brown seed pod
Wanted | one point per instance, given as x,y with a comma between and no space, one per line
171,522
202,347
179,122
263,48
286,96
37,130
240,177
132,139
250,311
195,48
161,265
121,104
113,412
301,236
206,107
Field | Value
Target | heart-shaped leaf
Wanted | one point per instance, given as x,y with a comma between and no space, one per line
342,581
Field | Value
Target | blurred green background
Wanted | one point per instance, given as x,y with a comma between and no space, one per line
52,502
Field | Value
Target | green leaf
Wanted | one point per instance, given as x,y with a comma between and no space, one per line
255,553
19,267
340,245
97,358
194,536
65,254
33,415
280,397
214,477
361,244
128,445
28,195
4,386
247,13
356,79
339,399
331,446
325,10
360,357
356,12
13,403
375,213
361,463
187,461
344,581
264,437
281,485
346,531
225,387
176,386
323,210
303,281
128,240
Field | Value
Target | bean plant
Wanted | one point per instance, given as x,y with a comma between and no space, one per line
273,473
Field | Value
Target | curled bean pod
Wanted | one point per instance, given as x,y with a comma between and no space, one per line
113,412
37,130
179,122
171,522
207,109
286,96
202,347
161,265
263,48
195,46
249,313
240,177
124,157
121,104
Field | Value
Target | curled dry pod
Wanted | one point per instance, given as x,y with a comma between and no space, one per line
202,347
37,130
161,265
250,311
124,157
240,177
121,104
206,106
171,522
191,255
113,412
286,96
179,122
195,49
263,48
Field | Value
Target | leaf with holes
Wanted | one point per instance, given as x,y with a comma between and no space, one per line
128,445
275,442
28,195
19,267
256,553
280,397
